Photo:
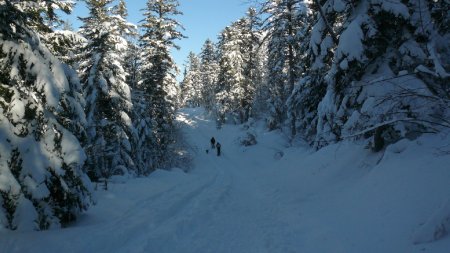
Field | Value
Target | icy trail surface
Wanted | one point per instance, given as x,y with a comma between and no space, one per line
267,198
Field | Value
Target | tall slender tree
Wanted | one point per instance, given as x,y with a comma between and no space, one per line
191,91
238,73
107,94
158,82
282,25
251,37
229,91
208,73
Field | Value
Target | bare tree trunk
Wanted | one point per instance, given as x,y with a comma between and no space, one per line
291,62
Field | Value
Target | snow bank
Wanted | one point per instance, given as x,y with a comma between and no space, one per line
437,227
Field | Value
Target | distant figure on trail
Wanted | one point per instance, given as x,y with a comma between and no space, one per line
218,148
213,143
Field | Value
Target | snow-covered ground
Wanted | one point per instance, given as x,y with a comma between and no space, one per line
269,198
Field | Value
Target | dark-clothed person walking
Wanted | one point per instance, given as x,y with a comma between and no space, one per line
218,148
213,143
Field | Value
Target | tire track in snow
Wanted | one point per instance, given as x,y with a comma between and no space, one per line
176,222
222,209
194,202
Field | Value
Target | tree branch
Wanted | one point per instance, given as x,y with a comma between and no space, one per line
327,25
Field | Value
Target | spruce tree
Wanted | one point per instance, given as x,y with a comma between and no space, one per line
65,45
282,25
191,90
251,37
158,82
304,98
108,98
40,117
239,68
230,89
208,74
378,64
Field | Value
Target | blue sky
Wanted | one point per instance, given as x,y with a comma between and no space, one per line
202,19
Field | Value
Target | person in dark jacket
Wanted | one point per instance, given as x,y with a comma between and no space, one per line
213,143
218,148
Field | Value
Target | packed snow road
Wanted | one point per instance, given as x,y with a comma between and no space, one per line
236,212
218,206
267,198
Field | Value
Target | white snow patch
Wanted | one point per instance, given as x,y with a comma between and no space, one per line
350,42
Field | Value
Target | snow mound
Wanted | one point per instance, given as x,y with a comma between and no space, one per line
436,228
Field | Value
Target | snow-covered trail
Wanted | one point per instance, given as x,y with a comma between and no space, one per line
342,198
235,212
217,207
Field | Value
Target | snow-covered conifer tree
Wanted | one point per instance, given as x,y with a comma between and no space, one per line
43,184
158,83
379,63
229,90
108,98
132,64
192,84
65,44
282,25
239,69
251,37
208,73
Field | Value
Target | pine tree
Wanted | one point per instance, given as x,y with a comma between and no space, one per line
131,57
143,149
336,69
192,84
132,64
128,53
304,99
282,25
107,94
239,68
120,9
65,45
260,105
208,74
40,114
354,43
251,37
230,66
160,30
